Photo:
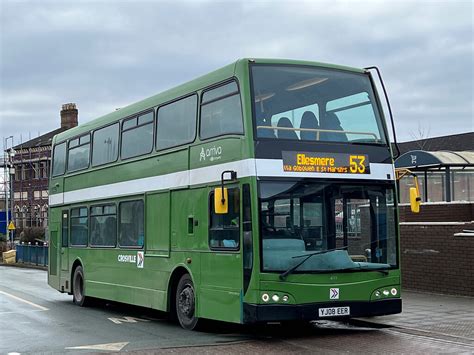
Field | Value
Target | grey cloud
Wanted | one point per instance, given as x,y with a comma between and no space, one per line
105,55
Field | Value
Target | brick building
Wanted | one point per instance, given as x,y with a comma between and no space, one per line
32,162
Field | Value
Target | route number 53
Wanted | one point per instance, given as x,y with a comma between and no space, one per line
356,164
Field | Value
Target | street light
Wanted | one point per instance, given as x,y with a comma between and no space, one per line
7,176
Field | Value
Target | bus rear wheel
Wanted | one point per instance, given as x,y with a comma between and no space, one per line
186,303
78,296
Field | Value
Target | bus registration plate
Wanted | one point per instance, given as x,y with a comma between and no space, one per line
334,311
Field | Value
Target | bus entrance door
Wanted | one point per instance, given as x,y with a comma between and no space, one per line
221,268
64,241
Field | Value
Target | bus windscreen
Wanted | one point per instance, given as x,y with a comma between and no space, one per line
314,104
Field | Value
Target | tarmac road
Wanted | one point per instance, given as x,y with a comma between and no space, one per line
34,318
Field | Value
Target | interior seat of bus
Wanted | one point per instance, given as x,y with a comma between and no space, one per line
330,121
285,122
309,120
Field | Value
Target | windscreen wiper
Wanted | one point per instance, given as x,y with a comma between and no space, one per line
307,256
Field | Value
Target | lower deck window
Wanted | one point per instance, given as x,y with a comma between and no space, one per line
103,226
79,226
131,222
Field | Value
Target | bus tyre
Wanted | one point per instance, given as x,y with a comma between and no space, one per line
78,296
186,303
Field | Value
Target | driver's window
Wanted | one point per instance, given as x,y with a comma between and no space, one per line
224,229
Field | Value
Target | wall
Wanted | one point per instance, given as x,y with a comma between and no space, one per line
435,255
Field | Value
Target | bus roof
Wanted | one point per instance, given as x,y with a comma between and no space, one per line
184,89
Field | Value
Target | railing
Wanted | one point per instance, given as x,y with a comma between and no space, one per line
319,130
32,254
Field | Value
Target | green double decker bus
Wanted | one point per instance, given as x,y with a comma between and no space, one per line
263,191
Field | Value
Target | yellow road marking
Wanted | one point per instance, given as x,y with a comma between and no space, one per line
24,301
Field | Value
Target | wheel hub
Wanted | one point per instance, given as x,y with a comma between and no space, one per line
186,301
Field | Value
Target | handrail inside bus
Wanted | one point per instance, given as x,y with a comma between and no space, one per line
319,130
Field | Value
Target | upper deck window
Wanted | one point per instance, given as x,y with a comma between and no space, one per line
176,123
105,145
137,136
78,154
314,104
221,111
59,159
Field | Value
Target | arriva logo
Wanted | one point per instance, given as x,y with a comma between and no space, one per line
212,154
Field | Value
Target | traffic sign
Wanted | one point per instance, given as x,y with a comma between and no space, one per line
11,226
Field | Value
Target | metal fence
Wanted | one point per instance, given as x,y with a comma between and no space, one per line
32,254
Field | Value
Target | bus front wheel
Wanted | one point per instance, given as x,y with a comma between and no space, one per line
186,303
78,296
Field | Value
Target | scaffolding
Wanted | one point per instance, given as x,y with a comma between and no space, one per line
30,182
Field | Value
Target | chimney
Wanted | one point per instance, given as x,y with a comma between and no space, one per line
69,116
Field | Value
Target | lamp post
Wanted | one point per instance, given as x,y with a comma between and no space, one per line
7,183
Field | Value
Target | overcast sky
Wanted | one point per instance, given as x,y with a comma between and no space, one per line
107,54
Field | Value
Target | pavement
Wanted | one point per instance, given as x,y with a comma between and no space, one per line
443,316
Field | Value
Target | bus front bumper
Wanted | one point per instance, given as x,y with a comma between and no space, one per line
285,312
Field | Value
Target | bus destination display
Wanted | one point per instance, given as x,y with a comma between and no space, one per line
312,162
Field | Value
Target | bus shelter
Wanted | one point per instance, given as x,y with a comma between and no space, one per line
442,175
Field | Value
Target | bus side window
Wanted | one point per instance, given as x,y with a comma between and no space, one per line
224,229
103,226
79,226
221,111
59,160
131,224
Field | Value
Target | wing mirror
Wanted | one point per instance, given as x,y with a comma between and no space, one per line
415,199
221,197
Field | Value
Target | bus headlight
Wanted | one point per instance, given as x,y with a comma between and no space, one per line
385,292
275,298
393,291
285,298
265,297
377,293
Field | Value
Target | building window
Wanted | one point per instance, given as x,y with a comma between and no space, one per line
18,172
78,155
221,112
131,223
36,170
137,136
24,172
59,159
176,123
79,226
44,169
105,145
103,226
224,229
21,195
